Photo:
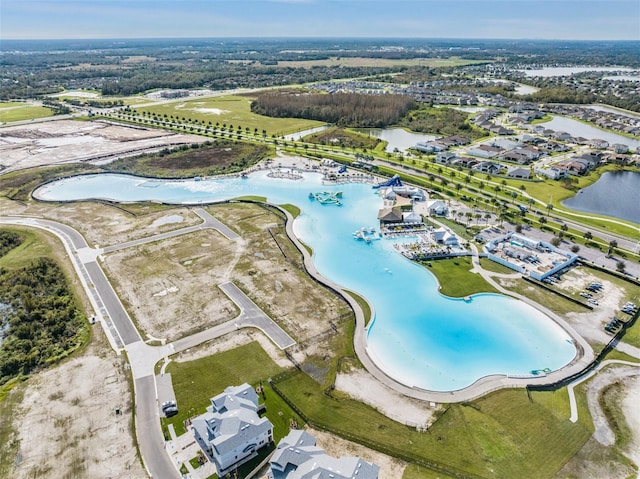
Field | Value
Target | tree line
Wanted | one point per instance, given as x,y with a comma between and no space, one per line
39,319
343,109
8,241
441,121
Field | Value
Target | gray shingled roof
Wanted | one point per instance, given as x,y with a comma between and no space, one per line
232,419
297,457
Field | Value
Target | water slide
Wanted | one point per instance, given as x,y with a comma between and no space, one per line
394,181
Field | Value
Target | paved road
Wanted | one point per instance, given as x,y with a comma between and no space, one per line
252,316
151,239
123,333
208,221
141,356
115,310
149,432
211,222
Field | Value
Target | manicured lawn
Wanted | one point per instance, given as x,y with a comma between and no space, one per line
232,110
364,305
196,382
22,111
495,267
292,209
503,435
455,278
413,471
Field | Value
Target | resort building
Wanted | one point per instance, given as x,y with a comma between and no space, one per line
298,457
534,258
437,208
390,215
231,432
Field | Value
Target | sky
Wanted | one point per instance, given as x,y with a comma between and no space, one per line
535,19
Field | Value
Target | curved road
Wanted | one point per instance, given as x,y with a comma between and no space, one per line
122,333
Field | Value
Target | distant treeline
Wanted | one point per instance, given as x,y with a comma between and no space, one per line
442,122
39,319
343,109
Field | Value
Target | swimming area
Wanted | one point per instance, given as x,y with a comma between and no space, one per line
418,337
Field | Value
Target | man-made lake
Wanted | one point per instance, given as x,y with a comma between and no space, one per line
397,138
616,193
565,71
301,134
418,336
577,128
525,89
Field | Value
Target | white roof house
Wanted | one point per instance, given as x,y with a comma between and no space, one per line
445,237
437,208
298,457
411,217
231,432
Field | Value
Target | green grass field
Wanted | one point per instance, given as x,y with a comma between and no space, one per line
455,278
230,110
196,382
18,111
504,435
33,247
495,267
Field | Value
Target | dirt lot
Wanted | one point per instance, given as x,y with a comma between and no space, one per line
103,224
171,286
361,385
66,424
390,468
590,324
62,141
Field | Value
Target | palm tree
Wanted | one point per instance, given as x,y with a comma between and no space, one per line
588,236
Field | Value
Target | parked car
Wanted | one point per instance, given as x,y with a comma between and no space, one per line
168,404
170,411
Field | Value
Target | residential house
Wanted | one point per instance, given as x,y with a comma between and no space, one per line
464,162
430,146
504,143
500,130
553,173
519,173
562,135
298,457
445,158
620,148
484,151
516,157
599,144
488,167
231,432
531,151
573,167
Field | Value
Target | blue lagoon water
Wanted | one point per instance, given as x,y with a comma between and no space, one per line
418,336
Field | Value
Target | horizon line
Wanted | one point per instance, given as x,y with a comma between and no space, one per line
337,37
